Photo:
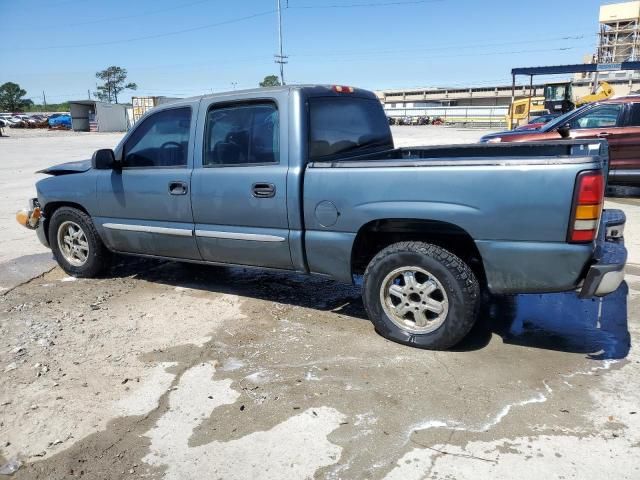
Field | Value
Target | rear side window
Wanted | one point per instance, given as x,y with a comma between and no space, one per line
634,115
345,126
161,140
242,135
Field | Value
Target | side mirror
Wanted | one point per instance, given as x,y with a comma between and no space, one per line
104,159
564,130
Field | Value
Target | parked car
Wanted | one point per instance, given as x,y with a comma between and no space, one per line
616,120
539,121
220,179
12,121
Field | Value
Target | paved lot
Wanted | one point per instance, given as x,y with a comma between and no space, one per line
161,370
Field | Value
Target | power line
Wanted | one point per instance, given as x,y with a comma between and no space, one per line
148,37
143,14
509,52
437,48
370,4
263,60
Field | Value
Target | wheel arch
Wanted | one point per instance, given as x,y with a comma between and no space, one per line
378,234
51,207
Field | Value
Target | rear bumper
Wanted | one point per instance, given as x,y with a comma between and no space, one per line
607,272
624,177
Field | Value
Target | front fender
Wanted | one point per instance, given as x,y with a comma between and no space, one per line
78,189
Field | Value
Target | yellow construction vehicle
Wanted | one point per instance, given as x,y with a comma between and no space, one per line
604,91
523,109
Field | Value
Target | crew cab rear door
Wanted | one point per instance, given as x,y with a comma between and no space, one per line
239,182
145,207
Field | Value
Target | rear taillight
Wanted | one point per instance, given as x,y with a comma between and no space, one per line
587,207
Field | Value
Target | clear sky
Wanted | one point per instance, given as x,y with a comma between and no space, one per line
191,47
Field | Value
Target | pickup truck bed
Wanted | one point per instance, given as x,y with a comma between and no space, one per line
522,241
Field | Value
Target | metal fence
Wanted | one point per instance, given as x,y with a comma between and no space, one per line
464,116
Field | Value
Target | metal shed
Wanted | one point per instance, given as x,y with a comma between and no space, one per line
94,116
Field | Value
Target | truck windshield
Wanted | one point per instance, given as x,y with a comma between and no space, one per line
346,126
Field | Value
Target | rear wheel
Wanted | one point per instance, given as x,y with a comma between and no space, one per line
421,295
75,243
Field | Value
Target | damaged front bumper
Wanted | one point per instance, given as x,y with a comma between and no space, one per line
606,274
33,219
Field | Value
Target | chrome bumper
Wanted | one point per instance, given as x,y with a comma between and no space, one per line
607,272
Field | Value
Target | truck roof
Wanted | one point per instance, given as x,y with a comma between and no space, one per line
310,89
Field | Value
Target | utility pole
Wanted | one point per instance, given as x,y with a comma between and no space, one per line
281,58
234,85
44,101
89,93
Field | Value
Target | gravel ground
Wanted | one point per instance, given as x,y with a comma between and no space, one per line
162,370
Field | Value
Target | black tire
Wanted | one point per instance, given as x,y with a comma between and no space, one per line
456,279
98,256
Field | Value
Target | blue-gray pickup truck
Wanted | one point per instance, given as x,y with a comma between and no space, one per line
307,179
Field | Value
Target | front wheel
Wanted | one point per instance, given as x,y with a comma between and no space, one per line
421,295
75,243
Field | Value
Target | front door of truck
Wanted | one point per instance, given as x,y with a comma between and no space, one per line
146,206
239,184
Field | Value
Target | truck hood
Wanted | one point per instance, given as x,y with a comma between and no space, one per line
67,168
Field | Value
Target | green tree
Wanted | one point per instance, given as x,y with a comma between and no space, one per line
11,97
114,79
270,81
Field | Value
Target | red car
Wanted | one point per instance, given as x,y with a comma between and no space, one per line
617,120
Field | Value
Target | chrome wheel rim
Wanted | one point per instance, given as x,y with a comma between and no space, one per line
73,243
414,299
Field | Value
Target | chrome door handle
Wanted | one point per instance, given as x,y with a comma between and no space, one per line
178,188
603,135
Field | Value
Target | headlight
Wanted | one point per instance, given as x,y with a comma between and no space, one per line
494,140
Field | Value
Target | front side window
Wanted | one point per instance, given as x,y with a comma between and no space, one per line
242,135
602,116
161,140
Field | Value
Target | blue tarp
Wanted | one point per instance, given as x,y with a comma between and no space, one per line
61,120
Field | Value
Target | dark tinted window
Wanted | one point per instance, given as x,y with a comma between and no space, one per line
598,117
346,125
161,140
634,115
242,135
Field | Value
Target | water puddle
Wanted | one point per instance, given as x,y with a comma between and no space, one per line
562,321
